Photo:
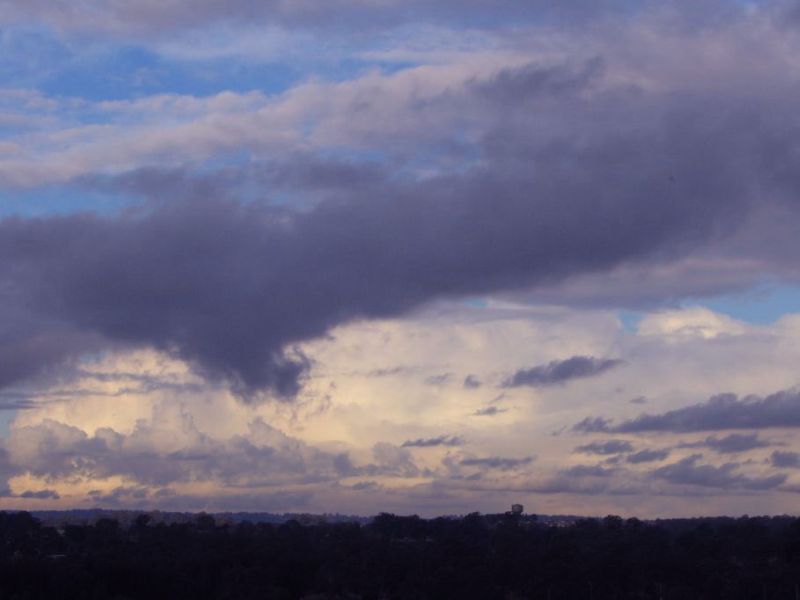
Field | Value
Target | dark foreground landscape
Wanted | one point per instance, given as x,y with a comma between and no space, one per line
477,556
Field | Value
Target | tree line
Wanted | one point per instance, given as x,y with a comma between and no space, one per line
508,557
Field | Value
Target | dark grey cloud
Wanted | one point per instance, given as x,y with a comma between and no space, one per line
34,348
561,371
497,462
606,447
724,411
688,472
593,425
732,443
442,440
18,405
369,486
233,288
644,456
40,495
785,459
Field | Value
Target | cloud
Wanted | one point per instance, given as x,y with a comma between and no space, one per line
724,411
18,405
647,456
168,499
588,471
785,459
391,460
606,447
7,470
442,440
688,472
388,372
153,19
169,449
496,462
489,411
569,485
561,371
438,380
593,425
734,442
40,495
225,286
471,382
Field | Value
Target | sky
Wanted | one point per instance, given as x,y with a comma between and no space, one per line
417,257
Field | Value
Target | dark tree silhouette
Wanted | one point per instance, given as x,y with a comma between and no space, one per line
394,557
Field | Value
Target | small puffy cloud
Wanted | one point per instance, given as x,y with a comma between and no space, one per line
561,371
